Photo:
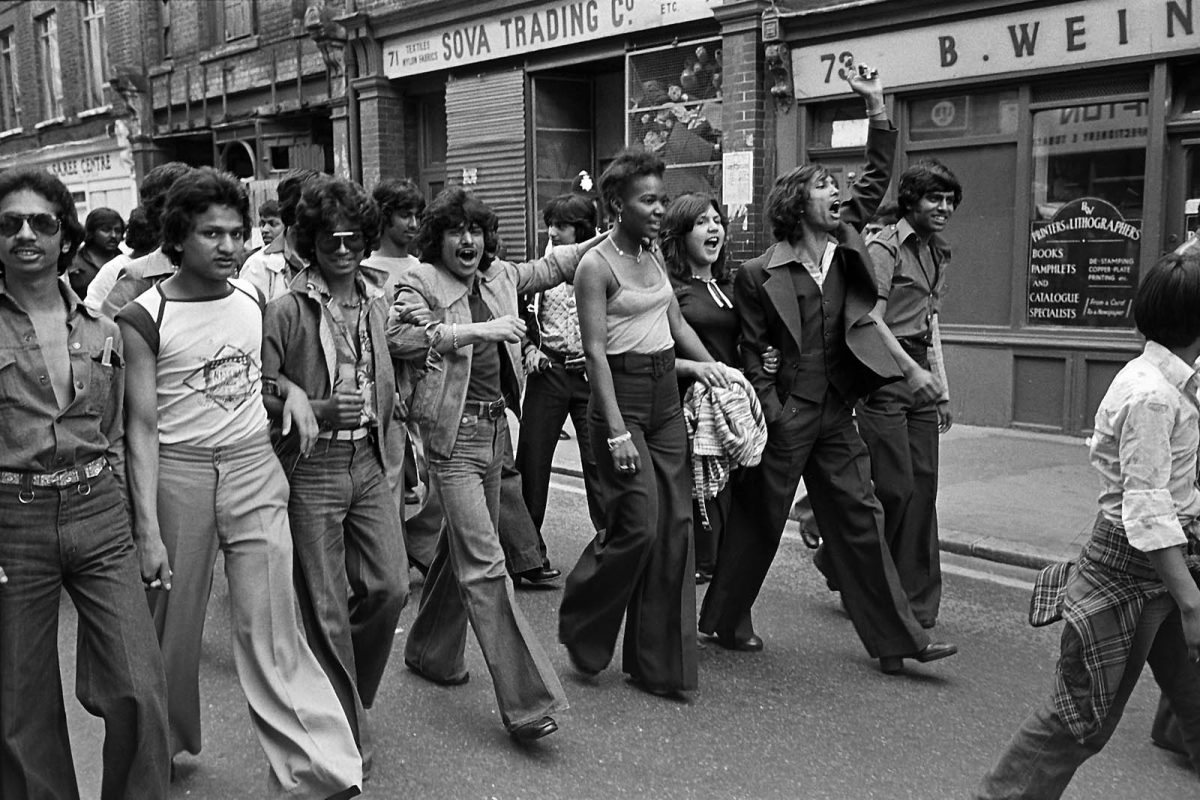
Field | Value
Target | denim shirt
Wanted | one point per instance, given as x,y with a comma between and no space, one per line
298,342
35,435
441,391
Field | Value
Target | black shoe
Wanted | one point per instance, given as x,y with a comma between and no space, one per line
534,730
537,576
458,681
657,691
751,644
934,651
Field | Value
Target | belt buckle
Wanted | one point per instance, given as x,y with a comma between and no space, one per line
61,478
495,408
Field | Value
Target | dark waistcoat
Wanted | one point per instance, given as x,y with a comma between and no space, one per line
824,357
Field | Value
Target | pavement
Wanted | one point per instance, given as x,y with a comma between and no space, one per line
1010,496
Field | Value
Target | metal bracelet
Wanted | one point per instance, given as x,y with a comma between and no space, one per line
615,441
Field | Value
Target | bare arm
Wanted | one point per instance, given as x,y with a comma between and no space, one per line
591,299
1173,571
141,439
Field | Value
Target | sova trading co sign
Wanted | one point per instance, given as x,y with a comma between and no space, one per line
538,28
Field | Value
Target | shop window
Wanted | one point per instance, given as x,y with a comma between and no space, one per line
8,83
562,135
963,115
839,124
1187,88
48,62
675,101
1089,174
95,52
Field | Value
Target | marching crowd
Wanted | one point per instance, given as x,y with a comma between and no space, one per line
186,398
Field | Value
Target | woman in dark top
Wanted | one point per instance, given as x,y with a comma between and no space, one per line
640,566
693,244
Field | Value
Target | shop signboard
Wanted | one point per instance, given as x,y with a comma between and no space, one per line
1050,36
529,30
1083,266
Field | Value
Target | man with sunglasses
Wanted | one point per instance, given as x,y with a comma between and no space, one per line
203,477
64,520
329,377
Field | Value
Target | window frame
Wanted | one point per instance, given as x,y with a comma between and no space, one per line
95,46
10,106
49,65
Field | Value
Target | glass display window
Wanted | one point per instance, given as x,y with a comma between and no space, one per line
675,109
961,116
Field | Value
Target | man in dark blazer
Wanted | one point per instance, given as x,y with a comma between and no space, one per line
811,296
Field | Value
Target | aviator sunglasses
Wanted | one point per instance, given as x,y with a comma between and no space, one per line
330,243
45,224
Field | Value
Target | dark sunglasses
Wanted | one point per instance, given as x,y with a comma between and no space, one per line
330,243
45,224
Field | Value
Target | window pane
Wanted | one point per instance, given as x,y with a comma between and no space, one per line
675,97
958,116
1088,190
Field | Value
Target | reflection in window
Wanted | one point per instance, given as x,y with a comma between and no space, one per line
675,96
562,134
958,116
1096,150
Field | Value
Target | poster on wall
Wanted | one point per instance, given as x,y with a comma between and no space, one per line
1083,266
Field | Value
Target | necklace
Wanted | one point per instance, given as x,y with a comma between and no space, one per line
638,257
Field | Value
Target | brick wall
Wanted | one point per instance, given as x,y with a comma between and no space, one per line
20,18
744,119
382,129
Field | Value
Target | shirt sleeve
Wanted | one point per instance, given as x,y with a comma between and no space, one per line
883,264
1144,449
138,318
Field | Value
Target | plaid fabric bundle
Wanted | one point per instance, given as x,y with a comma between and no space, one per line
1101,598
726,429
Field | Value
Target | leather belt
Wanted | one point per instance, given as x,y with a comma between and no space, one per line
64,477
492,410
345,434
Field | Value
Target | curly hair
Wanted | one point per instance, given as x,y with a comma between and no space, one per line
626,167
1164,308
138,233
397,194
923,177
789,195
575,210
289,190
678,222
192,195
153,192
41,182
330,204
452,208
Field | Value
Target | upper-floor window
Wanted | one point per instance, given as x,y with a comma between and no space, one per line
95,52
165,21
48,63
235,20
8,82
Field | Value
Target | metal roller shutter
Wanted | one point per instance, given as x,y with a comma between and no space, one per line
485,132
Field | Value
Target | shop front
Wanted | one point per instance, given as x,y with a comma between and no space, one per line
98,171
1074,129
519,101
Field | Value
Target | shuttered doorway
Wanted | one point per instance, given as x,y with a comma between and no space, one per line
485,132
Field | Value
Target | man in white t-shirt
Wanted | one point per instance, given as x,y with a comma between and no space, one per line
400,207
203,476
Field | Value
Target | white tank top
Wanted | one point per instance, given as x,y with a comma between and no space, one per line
209,366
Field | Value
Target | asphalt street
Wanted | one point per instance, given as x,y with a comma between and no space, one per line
810,717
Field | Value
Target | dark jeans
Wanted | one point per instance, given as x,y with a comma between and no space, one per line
66,539
467,582
1043,755
818,441
640,564
549,397
902,436
352,573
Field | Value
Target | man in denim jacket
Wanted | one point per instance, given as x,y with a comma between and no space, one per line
458,312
